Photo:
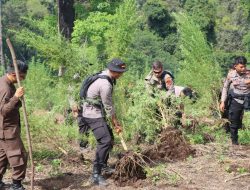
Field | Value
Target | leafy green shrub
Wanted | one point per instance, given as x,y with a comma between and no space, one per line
196,139
56,165
49,137
39,168
158,17
244,137
42,35
144,49
42,154
141,114
92,29
39,87
156,173
122,29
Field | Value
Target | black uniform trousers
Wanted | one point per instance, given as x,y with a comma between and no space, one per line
235,117
83,130
105,140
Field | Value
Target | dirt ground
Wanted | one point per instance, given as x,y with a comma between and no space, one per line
213,167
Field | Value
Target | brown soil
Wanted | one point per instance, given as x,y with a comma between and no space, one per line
171,146
208,170
208,138
241,166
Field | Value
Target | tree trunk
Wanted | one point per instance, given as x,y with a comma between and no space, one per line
66,17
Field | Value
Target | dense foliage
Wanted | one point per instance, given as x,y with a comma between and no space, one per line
195,39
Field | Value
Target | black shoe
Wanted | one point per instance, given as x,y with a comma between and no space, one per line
2,184
235,142
226,127
15,186
99,180
85,149
108,170
83,144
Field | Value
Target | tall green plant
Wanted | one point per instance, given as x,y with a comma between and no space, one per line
42,90
92,29
140,116
42,35
144,49
122,30
199,68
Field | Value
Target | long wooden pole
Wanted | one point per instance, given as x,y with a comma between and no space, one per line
24,112
1,40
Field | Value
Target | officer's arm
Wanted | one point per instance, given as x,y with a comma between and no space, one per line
8,103
106,97
116,124
225,88
224,93
247,81
148,84
169,84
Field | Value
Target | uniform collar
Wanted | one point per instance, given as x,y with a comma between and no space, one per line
7,80
107,72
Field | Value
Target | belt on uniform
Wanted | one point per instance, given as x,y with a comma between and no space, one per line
240,96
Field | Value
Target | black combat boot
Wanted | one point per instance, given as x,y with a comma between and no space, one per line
2,185
226,127
107,169
17,185
235,143
234,136
97,178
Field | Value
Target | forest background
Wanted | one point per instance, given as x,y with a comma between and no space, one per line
64,42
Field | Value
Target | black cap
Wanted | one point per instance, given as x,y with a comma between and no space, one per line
117,65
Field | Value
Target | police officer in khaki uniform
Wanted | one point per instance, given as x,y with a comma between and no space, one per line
238,81
225,114
96,110
12,151
159,79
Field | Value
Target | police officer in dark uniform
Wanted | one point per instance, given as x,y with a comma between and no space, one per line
238,81
96,110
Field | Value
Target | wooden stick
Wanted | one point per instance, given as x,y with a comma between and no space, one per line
181,176
238,176
24,112
53,141
123,142
60,148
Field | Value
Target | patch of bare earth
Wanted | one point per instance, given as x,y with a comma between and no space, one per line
212,167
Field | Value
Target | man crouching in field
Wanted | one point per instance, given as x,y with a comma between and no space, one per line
12,150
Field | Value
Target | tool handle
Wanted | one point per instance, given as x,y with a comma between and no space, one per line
123,142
